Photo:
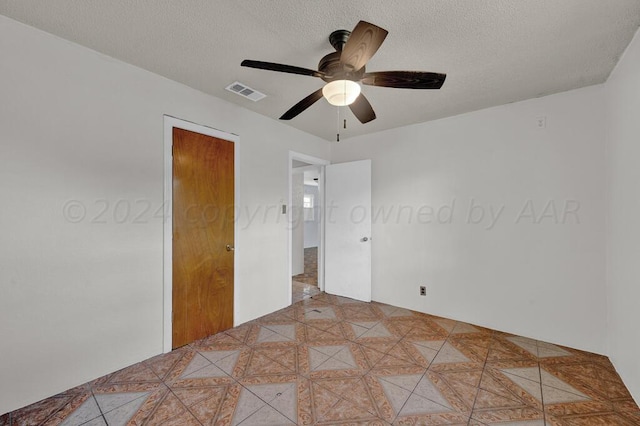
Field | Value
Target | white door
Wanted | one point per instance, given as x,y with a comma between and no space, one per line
348,230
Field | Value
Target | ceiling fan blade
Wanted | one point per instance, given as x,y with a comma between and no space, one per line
363,43
404,79
362,109
271,66
302,105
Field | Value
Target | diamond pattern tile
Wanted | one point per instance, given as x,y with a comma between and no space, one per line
332,360
88,411
449,355
539,349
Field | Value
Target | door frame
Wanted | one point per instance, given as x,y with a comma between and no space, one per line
315,161
167,206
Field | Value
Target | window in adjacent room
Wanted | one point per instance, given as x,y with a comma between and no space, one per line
307,203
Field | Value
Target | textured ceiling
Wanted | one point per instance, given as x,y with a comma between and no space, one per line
493,51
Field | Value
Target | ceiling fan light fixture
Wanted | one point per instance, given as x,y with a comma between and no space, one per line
346,65
341,92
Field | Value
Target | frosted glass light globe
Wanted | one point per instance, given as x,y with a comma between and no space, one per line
341,92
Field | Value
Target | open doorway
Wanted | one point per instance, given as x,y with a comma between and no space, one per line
305,211
306,230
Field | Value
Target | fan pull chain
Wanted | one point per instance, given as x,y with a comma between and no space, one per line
338,123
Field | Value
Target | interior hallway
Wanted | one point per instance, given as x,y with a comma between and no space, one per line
310,275
332,360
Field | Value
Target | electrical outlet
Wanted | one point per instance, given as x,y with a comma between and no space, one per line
423,290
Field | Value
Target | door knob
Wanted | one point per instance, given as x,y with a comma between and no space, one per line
230,247
365,239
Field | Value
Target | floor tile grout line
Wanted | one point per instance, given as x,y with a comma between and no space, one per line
296,399
325,361
364,374
580,382
515,396
372,398
312,399
410,394
253,412
199,369
544,410
388,353
195,371
476,420
221,359
429,369
235,338
338,322
274,360
342,320
276,332
122,405
155,408
484,366
599,394
269,402
50,416
156,374
183,404
233,381
93,395
342,397
564,390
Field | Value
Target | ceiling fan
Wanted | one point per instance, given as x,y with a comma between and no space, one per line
343,69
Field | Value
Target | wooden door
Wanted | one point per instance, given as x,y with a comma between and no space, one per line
203,225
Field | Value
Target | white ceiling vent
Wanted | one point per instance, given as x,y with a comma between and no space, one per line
245,91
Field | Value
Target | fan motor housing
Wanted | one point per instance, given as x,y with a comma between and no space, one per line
334,70
330,64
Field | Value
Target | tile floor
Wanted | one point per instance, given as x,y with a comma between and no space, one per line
310,275
329,360
301,291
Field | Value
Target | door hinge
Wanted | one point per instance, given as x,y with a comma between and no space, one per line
172,150
173,315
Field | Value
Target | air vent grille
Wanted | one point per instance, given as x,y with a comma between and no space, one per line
245,91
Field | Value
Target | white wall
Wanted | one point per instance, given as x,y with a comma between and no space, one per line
543,280
623,267
297,232
79,300
312,227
